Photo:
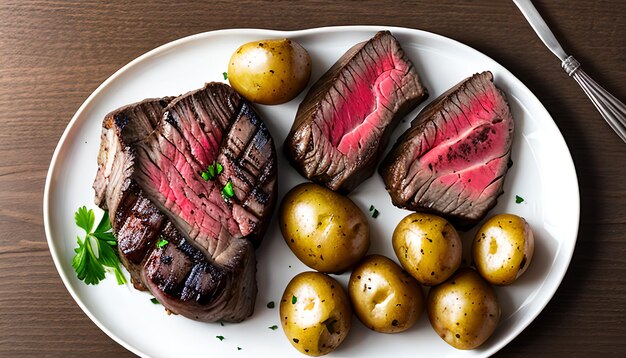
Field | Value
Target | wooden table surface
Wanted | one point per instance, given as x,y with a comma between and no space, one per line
53,54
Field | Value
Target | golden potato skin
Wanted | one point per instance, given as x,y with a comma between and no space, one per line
503,248
384,297
464,310
315,313
325,230
269,71
428,247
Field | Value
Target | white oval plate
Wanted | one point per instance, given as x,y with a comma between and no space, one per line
543,174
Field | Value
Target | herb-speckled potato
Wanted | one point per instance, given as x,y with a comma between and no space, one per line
269,71
385,297
503,248
428,247
464,310
325,230
315,313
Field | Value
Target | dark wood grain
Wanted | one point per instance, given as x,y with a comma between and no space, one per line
53,54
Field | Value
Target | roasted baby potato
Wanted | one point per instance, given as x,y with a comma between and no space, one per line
385,297
325,230
464,310
428,247
503,248
315,313
269,71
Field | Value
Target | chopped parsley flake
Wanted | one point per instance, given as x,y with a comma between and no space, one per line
270,304
294,299
227,191
155,301
221,338
225,74
162,243
273,328
374,212
518,199
212,171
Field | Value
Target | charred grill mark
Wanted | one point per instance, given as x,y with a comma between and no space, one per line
120,119
167,117
204,283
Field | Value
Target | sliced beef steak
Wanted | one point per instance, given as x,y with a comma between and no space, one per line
344,122
151,161
453,159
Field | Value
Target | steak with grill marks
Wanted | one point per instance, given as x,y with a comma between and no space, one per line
453,159
149,177
343,124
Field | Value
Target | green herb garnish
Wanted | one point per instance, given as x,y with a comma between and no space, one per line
373,211
212,171
162,243
273,328
89,267
225,74
221,338
294,299
270,304
155,301
227,191
518,199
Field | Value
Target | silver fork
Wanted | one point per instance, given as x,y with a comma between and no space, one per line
612,109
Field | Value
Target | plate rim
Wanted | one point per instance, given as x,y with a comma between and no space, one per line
54,162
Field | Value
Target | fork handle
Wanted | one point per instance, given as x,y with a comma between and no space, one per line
612,109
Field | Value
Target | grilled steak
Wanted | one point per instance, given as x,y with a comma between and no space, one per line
344,123
453,159
151,160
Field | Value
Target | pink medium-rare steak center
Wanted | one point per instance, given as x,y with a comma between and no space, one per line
358,112
198,132
343,124
470,150
453,159
178,177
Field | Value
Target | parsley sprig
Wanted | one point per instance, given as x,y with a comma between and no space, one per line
89,266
